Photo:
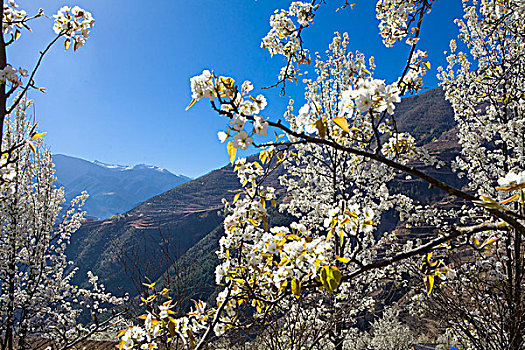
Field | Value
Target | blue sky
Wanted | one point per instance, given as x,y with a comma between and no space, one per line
121,98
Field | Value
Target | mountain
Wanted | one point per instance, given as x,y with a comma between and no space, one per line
187,220
181,216
112,189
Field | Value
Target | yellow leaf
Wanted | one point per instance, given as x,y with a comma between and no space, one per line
284,262
330,278
296,288
329,235
343,260
191,336
265,222
367,71
426,64
232,151
487,204
191,104
511,199
282,287
263,157
488,242
429,283
488,199
151,285
236,197
341,234
66,44
17,34
511,188
122,332
38,135
171,328
342,123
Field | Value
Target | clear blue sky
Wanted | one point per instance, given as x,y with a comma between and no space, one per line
121,98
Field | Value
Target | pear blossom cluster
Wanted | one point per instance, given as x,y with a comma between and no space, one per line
370,94
12,17
397,20
9,74
412,81
137,338
512,179
75,24
202,86
283,37
305,120
401,144
241,107
7,176
162,328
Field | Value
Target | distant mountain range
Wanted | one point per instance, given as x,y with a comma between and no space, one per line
112,189
190,215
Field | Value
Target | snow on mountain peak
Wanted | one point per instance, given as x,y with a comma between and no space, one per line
129,167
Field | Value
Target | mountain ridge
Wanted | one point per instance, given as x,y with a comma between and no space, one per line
113,189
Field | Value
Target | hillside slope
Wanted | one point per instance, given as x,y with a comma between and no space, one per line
185,214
